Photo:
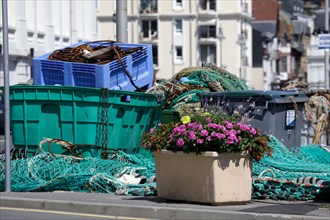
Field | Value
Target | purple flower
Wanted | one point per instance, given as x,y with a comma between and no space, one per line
180,142
229,141
229,125
204,133
176,130
208,138
200,141
159,124
192,125
192,135
208,120
253,131
182,131
199,127
245,127
152,130
222,136
215,126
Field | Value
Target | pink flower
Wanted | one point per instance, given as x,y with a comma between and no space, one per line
229,125
222,136
208,120
159,124
253,131
229,141
152,130
182,131
192,135
200,141
191,125
176,130
215,126
180,142
245,127
183,126
204,133
208,138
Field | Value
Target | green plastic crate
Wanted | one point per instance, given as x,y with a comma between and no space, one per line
169,116
74,114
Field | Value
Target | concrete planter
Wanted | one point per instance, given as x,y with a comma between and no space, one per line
208,178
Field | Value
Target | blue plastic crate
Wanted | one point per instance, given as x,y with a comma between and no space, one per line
111,75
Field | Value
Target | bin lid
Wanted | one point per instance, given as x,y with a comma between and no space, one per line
272,96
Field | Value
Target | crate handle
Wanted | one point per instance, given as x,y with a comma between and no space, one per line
254,106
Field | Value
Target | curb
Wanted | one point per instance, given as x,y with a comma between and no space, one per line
143,211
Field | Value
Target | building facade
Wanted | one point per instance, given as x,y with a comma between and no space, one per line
183,33
186,33
36,27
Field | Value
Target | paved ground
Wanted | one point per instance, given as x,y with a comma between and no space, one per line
156,208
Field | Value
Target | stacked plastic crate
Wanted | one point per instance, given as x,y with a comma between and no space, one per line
109,75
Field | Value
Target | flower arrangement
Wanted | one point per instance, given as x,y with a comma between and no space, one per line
204,131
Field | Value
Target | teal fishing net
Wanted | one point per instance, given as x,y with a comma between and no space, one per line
184,85
290,174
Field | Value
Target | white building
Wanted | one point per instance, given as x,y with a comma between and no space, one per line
183,33
36,27
316,65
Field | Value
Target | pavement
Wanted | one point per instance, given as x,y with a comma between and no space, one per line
153,207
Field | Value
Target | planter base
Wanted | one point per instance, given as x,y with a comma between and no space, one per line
216,179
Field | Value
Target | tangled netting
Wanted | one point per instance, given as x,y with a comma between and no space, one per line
184,85
121,174
298,174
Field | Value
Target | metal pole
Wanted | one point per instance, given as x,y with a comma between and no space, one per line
6,91
327,78
121,20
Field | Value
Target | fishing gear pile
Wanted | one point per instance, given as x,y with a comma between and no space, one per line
295,174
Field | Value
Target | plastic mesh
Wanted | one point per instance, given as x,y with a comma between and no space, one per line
297,174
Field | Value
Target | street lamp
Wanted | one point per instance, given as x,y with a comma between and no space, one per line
242,43
221,38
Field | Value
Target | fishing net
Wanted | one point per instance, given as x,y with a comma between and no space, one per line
289,174
45,172
296,174
184,85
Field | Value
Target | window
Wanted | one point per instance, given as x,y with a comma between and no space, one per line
178,26
178,54
178,3
148,6
207,5
207,31
155,54
283,64
208,54
245,7
149,29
